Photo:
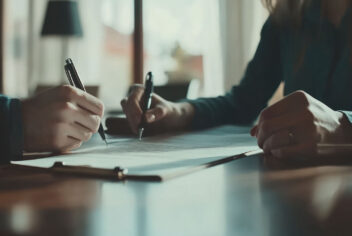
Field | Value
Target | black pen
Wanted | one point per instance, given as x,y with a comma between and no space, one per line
74,80
147,101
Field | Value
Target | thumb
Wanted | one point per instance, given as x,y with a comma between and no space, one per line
155,114
254,131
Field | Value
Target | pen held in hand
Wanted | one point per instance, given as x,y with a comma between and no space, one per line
74,81
147,101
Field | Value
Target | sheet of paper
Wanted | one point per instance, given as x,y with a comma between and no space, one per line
159,152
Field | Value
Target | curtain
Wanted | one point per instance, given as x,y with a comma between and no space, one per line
213,59
240,23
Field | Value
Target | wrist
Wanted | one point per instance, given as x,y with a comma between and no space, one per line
185,113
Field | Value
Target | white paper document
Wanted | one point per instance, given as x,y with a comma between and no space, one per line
157,153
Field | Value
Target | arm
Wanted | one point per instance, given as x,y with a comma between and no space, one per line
57,120
295,127
244,102
240,106
11,131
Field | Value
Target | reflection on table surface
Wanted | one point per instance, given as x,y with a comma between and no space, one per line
251,196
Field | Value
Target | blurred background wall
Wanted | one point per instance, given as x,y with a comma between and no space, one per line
208,40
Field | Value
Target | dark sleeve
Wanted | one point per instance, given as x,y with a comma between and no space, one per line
11,131
243,103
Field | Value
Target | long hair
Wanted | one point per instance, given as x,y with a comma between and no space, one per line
288,11
291,12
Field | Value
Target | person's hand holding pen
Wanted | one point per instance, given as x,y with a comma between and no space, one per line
60,119
74,80
296,125
163,116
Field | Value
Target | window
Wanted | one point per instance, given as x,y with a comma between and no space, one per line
173,32
15,44
177,38
103,56
177,41
116,64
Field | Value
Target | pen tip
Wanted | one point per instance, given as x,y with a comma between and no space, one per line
140,133
106,142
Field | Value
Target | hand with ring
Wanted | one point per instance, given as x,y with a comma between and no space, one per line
295,125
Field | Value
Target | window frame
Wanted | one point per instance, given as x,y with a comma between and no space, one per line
138,42
1,45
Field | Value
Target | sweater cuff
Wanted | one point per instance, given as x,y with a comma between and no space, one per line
348,114
198,121
16,129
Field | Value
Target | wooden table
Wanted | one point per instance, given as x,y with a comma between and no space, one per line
252,196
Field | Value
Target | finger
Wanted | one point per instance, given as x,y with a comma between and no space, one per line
254,131
302,133
136,93
133,109
71,113
269,127
134,118
277,140
91,104
134,100
123,102
79,132
135,87
86,119
294,101
130,122
307,150
155,114
83,99
156,99
70,144
61,138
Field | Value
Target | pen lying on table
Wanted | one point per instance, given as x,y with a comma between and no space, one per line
74,80
116,173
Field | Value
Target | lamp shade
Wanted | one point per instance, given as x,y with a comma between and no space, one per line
62,19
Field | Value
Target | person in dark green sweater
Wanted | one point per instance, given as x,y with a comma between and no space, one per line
57,120
305,44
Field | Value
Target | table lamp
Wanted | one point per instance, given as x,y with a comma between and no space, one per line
62,20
